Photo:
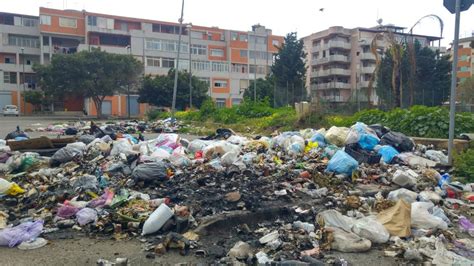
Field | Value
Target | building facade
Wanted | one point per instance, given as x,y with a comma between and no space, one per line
465,58
340,62
227,60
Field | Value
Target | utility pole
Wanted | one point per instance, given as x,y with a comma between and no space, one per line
129,50
24,80
255,64
189,26
175,87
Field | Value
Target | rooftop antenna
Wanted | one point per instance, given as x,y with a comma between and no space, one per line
379,21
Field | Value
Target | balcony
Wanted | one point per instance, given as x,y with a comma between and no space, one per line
331,72
369,69
333,85
365,83
334,99
16,68
367,56
339,44
106,48
333,58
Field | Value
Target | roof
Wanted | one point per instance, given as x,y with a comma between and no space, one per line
20,15
430,38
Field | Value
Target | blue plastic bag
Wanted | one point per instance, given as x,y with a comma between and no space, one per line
368,141
342,163
319,138
388,153
445,179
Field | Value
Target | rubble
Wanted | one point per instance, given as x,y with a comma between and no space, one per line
293,198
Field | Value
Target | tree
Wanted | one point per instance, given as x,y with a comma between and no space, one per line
465,91
401,84
158,90
289,69
94,75
265,90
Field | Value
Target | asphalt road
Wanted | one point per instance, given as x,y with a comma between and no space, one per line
9,123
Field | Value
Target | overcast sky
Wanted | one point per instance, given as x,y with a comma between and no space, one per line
282,16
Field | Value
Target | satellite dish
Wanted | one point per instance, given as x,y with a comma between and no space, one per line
379,21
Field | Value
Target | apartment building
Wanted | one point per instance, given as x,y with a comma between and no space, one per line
341,64
465,58
228,60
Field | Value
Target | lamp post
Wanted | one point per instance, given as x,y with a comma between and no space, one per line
188,27
24,79
129,50
175,87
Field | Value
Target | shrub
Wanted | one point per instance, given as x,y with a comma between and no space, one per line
154,114
208,108
464,166
251,109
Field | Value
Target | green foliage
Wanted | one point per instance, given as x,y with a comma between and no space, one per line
289,69
265,90
94,74
464,166
208,108
465,92
251,109
34,97
158,90
418,121
156,114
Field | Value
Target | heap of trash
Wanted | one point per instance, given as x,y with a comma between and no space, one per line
294,197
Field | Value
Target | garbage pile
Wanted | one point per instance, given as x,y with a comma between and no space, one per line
341,189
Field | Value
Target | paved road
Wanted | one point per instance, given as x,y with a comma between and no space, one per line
9,123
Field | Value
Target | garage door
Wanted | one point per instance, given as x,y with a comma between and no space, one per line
134,106
106,107
5,99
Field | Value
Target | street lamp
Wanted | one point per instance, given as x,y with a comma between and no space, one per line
129,50
188,27
24,80
175,87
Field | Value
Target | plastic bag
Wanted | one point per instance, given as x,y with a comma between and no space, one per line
249,158
444,257
157,219
337,135
438,212
404,194
466,226
333,218
361,155
85,182
348,241
229,158
66,211
219,148
437,156
362,134
160,154
294,145
319,138
398,140
86,139
197,145
154,171
405,178
10,188
311,145
329,151
387,152
67,153
85,216
379,130
422,219
370,228
103,200
122,146
368,141
342,163
179,160
20,233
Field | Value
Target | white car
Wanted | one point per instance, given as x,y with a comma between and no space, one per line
10,110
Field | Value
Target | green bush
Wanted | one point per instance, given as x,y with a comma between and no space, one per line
208,108
156,114
227,116
464,165
251,109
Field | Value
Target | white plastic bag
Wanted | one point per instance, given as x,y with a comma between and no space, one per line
404,194
333,218
229,158
405,178
437,156
122,146
337,135
197,145
219,148
422,219
157,219
85,216
370,228
348,241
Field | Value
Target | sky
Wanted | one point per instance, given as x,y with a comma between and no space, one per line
282,16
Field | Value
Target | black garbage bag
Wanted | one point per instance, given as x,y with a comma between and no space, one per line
361,155
15,134
86,138
379,130
221,133
70,131
398,140
151,172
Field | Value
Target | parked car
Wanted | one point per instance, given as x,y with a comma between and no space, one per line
10,110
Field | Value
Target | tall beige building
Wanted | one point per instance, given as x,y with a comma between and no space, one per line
340,63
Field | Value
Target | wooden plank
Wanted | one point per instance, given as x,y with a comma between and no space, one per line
35,143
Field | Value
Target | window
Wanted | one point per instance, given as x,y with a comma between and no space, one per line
92,20
236,101
9,77
260,69
200,65
197,35
244,53
23,41
244,84
45,20
184,64
217,52
170,29
153,61
220,67
234,36
258,40
243,37
30,22
218,83
220,102
239,68
165,45
198,49
67,22
259,55
275,42
10,60
167,62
